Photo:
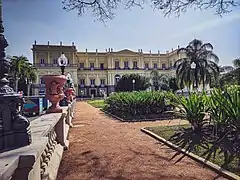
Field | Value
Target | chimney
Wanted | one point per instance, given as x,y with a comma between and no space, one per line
72,43
60,43
35,42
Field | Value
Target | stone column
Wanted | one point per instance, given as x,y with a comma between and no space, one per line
48,58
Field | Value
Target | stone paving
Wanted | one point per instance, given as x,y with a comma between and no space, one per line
102,148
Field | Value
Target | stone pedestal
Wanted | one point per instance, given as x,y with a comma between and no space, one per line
14,128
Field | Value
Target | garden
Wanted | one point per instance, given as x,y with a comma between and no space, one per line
213,129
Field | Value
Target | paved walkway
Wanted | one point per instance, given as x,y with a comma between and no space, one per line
102,148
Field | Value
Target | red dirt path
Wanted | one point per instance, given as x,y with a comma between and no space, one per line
102,148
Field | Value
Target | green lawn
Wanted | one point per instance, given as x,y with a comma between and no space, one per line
167,131
97,103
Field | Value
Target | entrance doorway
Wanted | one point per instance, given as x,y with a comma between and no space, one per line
93,92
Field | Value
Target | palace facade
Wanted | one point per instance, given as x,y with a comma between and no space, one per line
98,72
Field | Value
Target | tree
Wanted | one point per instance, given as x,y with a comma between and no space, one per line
173,84
30,75
205,61
126,83
159,81
236,63
232,77
17,67
22,72
106,9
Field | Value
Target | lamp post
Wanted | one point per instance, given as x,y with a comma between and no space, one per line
62,62
14,128
133,82
193,67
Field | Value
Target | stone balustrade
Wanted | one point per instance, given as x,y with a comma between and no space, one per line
41,159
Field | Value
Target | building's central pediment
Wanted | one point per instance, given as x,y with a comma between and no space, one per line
126,51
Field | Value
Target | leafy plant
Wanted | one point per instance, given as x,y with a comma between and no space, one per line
136,105
225,114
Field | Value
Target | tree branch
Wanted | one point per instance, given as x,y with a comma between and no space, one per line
106,9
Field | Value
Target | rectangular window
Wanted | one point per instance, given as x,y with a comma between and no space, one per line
134,64
163,66
155,66
81,65
82,81
91,65
41,81
92,81
55,61
125,64
102,81
146,65
101,66
116,64
41,61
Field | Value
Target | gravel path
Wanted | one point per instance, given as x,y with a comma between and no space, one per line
102,148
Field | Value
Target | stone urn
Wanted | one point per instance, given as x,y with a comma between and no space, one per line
69,95
54,91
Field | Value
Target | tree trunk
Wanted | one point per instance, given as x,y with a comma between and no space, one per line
16,85
28,89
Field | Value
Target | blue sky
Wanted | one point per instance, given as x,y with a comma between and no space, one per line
44,20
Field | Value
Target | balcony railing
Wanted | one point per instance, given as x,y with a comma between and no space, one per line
105,68
53,65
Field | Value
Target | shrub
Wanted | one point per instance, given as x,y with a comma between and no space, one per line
132,105
125,83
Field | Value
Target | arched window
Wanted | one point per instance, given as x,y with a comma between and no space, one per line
117,78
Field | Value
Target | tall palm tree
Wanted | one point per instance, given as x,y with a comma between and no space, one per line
17,67
30,74
205,61
158,80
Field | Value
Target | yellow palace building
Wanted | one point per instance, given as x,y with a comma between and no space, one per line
98,72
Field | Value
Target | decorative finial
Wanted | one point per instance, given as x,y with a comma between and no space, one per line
72,43
35,42
48,43
60,43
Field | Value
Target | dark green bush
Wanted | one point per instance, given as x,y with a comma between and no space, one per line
132,105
